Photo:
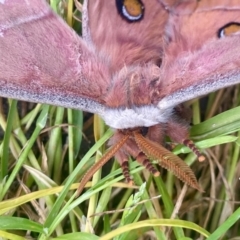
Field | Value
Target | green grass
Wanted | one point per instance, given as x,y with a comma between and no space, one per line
46,151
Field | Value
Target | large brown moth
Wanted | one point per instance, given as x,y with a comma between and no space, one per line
133,70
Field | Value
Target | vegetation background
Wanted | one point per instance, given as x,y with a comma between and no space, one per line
45,151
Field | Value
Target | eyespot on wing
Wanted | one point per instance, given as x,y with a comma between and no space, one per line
130,10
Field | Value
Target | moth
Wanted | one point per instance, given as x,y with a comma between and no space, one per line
133,69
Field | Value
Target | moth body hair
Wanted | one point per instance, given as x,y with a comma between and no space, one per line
140,116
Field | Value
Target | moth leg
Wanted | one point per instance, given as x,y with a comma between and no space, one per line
130,148
178,131
156,133
123,161
143,160
122,155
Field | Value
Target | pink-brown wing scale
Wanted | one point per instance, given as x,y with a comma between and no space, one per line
123,42
196,60
43,60
129,47
179,6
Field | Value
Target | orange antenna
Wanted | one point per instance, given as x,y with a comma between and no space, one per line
167,160
100,163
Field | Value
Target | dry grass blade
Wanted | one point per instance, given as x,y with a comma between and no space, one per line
100,163
167,160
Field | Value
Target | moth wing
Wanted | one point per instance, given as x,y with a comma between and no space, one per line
200,58
43,60
85,23
127,42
